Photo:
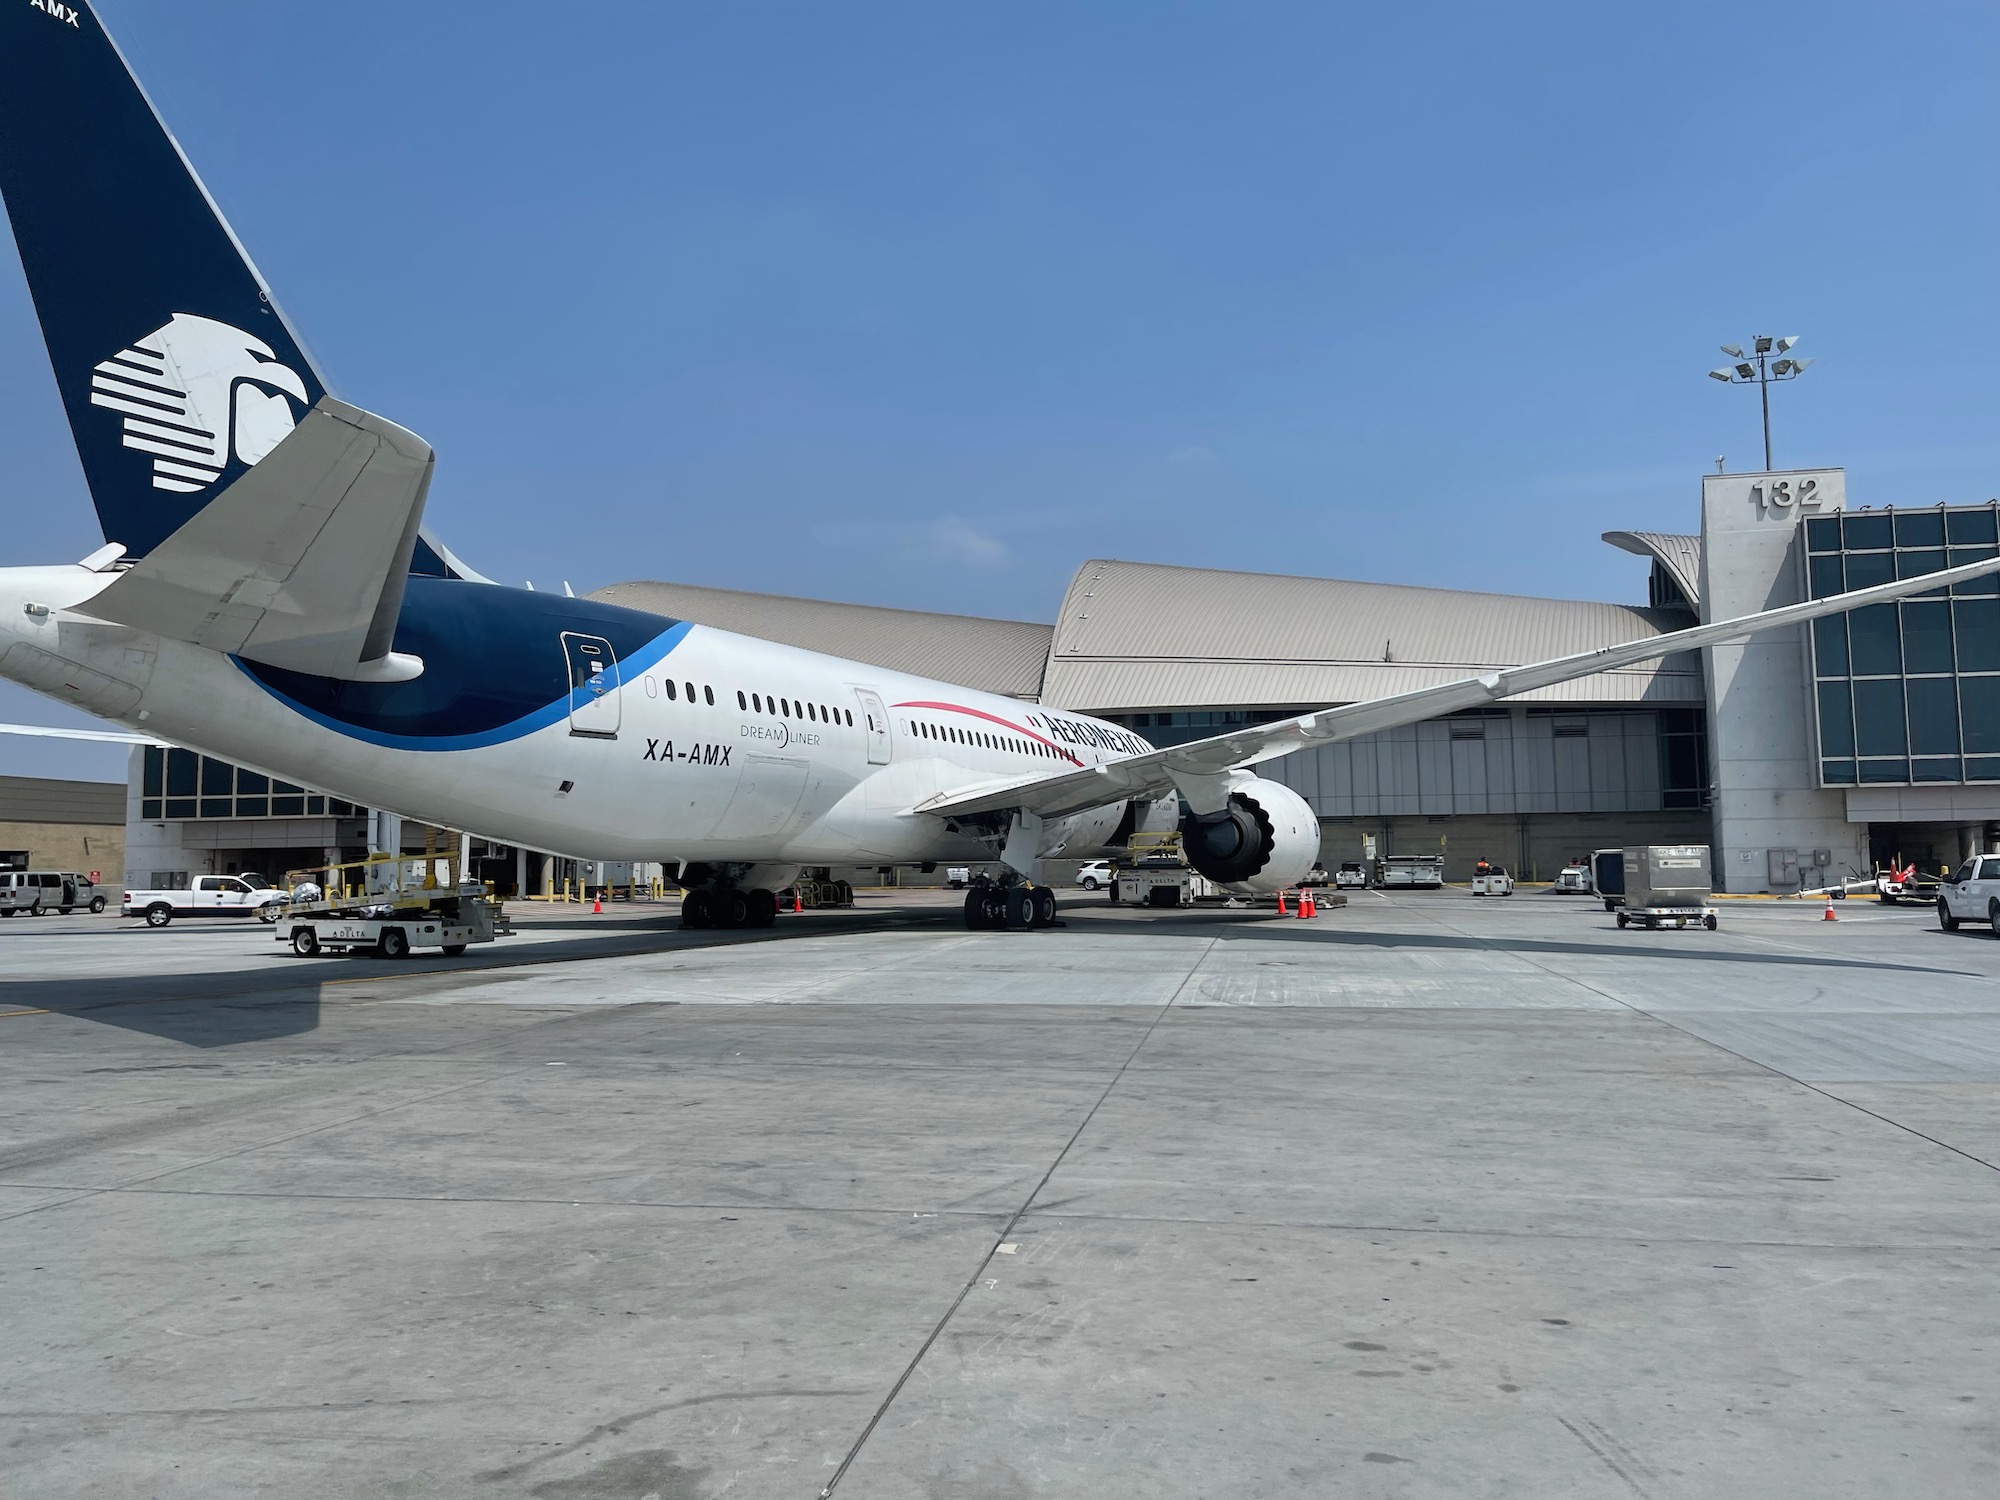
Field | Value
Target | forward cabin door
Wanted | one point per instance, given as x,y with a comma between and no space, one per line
593,685
876,717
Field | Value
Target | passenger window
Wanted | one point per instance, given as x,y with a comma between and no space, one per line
850,717
690,687
708,695
670,690
810,714
757,702
652,687
739,699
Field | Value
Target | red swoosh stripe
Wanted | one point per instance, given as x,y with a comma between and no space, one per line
958,708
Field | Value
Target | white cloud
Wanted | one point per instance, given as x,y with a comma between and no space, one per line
955,538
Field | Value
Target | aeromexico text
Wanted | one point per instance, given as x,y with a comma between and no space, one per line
1092,734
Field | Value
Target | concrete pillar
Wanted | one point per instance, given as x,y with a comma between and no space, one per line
520,872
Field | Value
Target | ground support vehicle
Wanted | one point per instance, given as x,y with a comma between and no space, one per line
39,892
1571,880
388,904
958,877
1165,885
1971,894
1352,875
1894,885
1413,871
1667,885
1494,882
209,896
811,892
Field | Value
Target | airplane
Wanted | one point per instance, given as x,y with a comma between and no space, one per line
268,594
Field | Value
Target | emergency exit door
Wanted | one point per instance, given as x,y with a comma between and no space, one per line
593,685
876,718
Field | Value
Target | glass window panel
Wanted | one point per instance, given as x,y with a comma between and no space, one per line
150,808
288,807
1979,714
1893,772
180,807
156,770
1944,768
216,807
1830,646
1982,768
1977,624
1915,564
1878,718
1927,637
286,788
182,767
1873,643
1826,574
1987,585
218,778
1933,716
1920,528
1836,719
338,809
253,807
1863,531
315,807
1866,569
1837,772
1823,533
1970,525
253,782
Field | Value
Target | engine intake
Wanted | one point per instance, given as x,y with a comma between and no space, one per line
1265,840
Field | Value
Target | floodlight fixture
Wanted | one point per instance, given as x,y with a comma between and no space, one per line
1761,372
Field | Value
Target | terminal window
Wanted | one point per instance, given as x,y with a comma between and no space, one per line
1909,692
179,784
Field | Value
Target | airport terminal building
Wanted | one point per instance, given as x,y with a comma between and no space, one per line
1801,757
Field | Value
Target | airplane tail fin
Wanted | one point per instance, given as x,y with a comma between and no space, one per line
177,368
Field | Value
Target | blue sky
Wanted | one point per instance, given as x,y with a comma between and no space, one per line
922,305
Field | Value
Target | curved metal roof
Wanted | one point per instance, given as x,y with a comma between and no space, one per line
1678,556
1148,636
995,656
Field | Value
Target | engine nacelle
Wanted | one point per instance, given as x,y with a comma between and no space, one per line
1265,840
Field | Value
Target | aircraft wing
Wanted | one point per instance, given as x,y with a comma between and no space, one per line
1162,771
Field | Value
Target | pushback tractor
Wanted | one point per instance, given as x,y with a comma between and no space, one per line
390,905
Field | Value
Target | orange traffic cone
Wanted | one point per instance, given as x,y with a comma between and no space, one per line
1828,916
1283,910
797,904
1306,906
597,904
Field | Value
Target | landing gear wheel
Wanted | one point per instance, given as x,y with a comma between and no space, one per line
1019,908
1621,919
1946,921
1045,907
452,950
268,913
698,909
761,909
394,943
977,917
159,914
305,942
97,905
732,909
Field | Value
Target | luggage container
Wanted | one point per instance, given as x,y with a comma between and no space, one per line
1667,885
1607,877
1413,871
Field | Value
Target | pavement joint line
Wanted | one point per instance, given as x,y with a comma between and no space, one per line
986,1260
1772,1070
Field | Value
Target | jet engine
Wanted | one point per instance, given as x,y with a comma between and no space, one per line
1266,839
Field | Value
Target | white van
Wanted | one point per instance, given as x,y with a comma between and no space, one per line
40,891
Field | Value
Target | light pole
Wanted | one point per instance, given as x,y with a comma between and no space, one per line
1762,373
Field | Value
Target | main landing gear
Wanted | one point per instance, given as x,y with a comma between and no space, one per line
1016,907
707,906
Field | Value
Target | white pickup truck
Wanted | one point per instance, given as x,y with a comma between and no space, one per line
210,896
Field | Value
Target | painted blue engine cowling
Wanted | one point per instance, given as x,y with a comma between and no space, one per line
1266,839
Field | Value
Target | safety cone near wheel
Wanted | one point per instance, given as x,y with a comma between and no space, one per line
1827,915
1283,910
797,904
1306,905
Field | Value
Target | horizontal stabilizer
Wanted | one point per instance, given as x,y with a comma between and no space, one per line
302,561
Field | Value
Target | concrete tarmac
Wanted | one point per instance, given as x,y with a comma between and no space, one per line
1433,1196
